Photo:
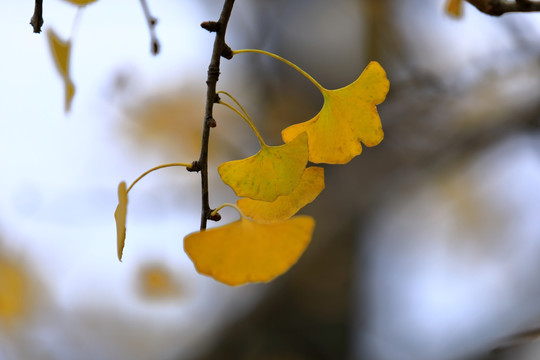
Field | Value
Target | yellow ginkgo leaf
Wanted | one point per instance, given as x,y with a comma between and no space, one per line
349,116
272,172
61,54
454,8
81,2
120,218
247,251
121,210
310,186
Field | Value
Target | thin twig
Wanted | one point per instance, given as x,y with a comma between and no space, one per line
499,7
152,22
37,19
211,97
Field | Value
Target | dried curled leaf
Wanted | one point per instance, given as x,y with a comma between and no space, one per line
310,186
272,172
61,53
120,218
246,251
348,116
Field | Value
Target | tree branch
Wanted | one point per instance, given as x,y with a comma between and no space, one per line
37,19
220,48
499,7
152,22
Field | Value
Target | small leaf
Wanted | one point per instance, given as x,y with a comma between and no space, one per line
454,8
273,171
61,53
247,251
120,218
347,117
310,186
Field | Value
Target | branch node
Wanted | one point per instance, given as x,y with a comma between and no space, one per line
155,47
211,26
213,73
211,122
214,217
194,167
227,52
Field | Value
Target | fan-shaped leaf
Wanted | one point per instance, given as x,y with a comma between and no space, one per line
348,116
120,218
273,171
247,251
310,186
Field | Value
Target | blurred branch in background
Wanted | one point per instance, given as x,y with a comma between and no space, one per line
499,7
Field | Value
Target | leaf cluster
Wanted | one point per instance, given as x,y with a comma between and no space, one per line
273,184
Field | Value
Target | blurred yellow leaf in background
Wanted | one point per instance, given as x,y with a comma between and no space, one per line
348,116
120,218
454,8
272,172
157,282
247,251
61,52
13,291
310,186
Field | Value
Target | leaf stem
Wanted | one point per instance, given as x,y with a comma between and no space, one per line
215,211
283,60
247,119
235,101
154,169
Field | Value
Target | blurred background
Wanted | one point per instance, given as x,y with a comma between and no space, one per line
427,246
